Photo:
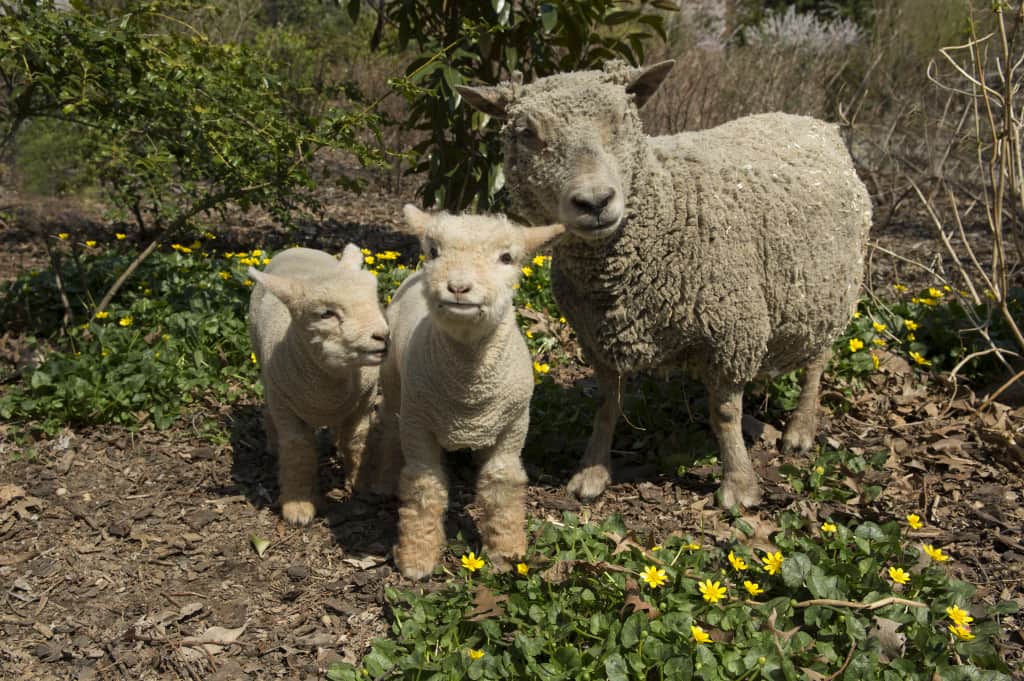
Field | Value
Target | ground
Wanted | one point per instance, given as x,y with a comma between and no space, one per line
122,553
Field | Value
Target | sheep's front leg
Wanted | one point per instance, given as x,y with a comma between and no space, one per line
739,482
803,423
352,438
296,465
423,498
594,472
501,489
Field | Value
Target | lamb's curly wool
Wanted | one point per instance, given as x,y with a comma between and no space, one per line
459,376
732,252
319,335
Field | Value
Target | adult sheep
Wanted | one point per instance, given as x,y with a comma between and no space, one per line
732,252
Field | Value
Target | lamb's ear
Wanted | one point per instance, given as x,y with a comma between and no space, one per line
351,257
535,237
493,100
646,81
416,220
288,291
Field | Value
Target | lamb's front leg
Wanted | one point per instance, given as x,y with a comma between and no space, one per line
803,423
595,473
296,465
739,482
423,497
501,489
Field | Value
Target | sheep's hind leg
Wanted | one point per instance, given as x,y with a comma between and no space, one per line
501,489
803,423
740,486
423,496
594,473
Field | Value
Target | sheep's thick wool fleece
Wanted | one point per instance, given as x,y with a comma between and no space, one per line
466,396
289,368
741,251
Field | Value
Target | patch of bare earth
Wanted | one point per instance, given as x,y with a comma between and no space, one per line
129,555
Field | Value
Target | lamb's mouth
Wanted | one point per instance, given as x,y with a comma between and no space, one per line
373,357
461,308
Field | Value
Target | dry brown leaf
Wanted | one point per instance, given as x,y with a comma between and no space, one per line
486,604
210,641
9,492
892,642
634,603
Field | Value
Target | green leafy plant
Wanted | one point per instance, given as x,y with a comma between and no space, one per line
863,600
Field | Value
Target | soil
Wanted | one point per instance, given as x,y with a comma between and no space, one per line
122,553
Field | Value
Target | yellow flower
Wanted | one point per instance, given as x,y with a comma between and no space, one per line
541,368
656,547
369,259
522,568
737,562
653,576
699,635
527,271
365,251
880,342
856,344
916,356
712,591
935,554
209,235
911,324
753,588
856,315
692,546
960,617
120,236
562,320
875,361
224,275
265,261
878,327
898,575
820,470
472,562
247,282
475,654
934,292
914,521
962,633
529,334
102,315
63,236
829,527
539,260
772,562
257,252
400,267
900,288
90,243
252,357
195,244
125,321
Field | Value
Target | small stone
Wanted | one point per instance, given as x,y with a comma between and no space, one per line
326,619
120,529
297,573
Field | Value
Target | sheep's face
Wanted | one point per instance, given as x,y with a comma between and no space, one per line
472,263
342,321
571,143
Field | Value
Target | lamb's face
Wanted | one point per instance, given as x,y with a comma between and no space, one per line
342,320
569,154
471,266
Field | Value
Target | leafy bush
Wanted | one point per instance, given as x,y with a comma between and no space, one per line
858,600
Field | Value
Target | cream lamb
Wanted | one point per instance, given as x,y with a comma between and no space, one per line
459,376
319,335
732,252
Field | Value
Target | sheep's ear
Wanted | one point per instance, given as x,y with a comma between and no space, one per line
416,220
493,101
646,81
288,291
535,237
351,257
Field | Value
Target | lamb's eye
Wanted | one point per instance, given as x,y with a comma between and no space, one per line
433,252
327,314
505,258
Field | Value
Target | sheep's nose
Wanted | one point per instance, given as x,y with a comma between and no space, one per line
459,287
592,200
381,337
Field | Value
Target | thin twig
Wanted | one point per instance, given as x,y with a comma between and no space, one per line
127,273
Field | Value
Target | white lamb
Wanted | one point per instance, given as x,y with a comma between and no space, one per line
459,376
732,252
319,335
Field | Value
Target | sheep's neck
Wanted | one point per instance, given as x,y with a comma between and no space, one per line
473,356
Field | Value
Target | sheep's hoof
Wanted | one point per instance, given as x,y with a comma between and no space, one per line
797,440
298,512
414,568
742,491
503,554
589,483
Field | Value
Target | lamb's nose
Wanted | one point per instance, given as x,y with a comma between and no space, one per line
381,337
592,200
459,287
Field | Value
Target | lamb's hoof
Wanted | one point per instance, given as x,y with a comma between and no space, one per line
797,440
589,483
412,567
503,555
741,491
298,512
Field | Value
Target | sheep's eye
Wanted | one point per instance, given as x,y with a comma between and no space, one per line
528,135
505,258
327,314
433,252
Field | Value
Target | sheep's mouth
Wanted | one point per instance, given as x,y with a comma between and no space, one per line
590,228
461,308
